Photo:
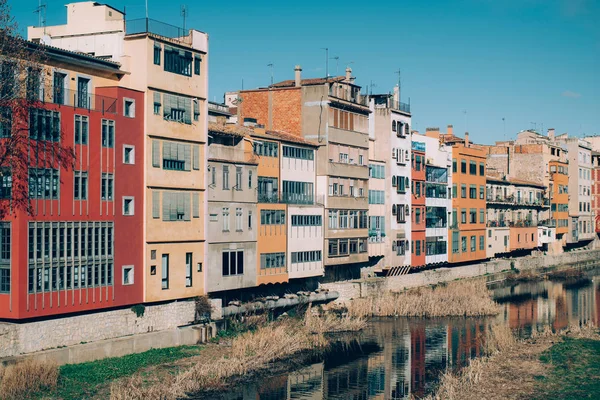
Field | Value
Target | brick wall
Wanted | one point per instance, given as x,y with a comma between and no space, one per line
287,111
255,104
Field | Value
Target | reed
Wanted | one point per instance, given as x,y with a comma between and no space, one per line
25,379
469,298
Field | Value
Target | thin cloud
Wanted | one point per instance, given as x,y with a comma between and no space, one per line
571,94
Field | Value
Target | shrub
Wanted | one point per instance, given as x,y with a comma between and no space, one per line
139,310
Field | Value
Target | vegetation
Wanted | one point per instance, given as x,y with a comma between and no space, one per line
26,379
469,298
139,310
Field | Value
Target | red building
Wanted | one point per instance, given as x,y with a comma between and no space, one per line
77,250
596,189
417,247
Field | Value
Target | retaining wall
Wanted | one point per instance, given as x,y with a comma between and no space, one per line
367,287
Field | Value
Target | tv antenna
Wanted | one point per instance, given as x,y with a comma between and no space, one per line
41,12
337,64
326,62
184,13
371,86
271,65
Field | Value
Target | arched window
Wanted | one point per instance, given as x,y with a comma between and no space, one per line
406,129
394,180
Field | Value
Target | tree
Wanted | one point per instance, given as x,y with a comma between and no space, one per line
31,144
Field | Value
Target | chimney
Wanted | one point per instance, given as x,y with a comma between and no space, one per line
348,74
298,75
396,94
466,139
551,133
433,133
449,132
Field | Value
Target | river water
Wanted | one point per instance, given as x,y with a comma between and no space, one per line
394,358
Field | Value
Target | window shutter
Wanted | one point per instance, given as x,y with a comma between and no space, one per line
187,157
196,157
157,98
196,106
187,106
186,206
176,205
166,147
167,106
195,205
155,153
155,204
166,206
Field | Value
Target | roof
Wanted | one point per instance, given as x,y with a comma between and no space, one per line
230,129
446,138
284,137
515,181
308,82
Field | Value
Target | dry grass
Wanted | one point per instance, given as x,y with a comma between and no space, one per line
469,298
22,380
250,352
511,371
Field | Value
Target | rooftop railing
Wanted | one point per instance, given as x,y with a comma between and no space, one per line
147,25
75,98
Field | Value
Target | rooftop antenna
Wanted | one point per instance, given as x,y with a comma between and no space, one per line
184,12
41,12
337,64
371,86
146,9
466,121
504,123
326,62
534,125
271,65
399,91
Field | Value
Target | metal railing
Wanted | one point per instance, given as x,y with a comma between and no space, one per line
344,94
77,99
289,198
147,25
398,105
218,107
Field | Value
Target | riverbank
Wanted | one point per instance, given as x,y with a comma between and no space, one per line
175,372
564,365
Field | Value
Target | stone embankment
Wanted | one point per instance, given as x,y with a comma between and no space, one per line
492,270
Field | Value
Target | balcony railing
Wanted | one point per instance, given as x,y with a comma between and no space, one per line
511,199
77,99
397,105
147,25
289,198
222,108
351,96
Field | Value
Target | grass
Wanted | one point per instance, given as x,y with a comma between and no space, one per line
77,381
574,370
27,379
469,298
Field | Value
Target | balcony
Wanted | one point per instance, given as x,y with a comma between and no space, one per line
147,25
512,200
77,99
351,96
218,108
497,224
290,198
397,105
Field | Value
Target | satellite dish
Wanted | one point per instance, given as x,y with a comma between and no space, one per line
46,40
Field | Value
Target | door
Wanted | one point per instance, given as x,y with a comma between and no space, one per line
83,99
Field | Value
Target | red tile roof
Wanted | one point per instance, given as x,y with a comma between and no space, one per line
284,137
230,129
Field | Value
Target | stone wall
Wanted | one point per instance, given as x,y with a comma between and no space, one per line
371,287
29,337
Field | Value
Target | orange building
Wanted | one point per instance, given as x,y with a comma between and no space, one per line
467,230
417,247
559,196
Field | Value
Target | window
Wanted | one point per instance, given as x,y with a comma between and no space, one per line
238,219
472,191
298,152
58,88
81,129
473,243
267,149
108,133
43,183
80,185
197,61
378,172
176,156
128,154
454,191
481,242
232,262
157,103
250,219
463,191
157,51
196,104
482,216
463,243
306,256
481,169
455,236
463,166
306,220
225,219
178,61
165,272
44,125
5,255
376,197
473,216
106,192
472,168
177,108
481,192
128,206
225,177
360,159
238,178
454,165
272,217
128,275
176,205
463,216
33,84
188,269
129,108
272,260
250,179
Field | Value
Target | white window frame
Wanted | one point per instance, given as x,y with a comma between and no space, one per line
123,268
132,154
132,108
125,199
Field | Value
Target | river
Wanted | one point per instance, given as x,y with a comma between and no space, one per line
396,357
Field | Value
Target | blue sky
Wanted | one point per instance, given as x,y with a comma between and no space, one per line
533,62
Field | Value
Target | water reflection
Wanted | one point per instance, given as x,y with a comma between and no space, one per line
395,358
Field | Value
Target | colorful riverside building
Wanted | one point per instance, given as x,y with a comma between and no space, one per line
559,197
331,113
79,249
169,65
389,184
468,199
417,205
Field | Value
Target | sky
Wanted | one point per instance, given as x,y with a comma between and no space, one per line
489,67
